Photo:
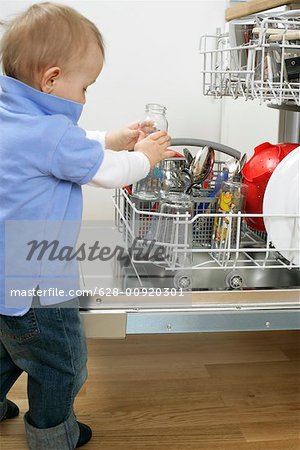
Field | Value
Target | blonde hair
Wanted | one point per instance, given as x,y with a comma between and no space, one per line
44,36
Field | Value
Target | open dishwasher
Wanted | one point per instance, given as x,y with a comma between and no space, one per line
194,268
174,278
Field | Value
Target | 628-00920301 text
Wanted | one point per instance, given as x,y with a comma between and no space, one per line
103,292
135,292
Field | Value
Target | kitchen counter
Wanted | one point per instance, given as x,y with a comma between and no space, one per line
244,9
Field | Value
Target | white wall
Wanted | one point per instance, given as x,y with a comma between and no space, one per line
152,56
246,124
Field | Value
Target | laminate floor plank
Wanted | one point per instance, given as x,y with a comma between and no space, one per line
273,430
255,368
210,391
180,444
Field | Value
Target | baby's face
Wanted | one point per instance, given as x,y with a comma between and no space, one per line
73,84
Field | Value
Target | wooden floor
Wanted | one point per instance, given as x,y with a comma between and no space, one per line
211,391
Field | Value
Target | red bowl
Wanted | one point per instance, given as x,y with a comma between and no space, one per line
256,174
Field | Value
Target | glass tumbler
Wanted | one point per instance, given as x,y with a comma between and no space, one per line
149,188
174,227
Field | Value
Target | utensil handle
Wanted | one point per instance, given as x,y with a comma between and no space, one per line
202,143
289,36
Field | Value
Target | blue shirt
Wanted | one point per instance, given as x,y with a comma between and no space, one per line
45,157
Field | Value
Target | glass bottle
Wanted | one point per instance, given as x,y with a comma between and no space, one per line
157,114
150,188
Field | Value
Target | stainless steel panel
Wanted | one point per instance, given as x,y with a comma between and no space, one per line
138,323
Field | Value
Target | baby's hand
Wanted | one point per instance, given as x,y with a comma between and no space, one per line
127,137
155,147
124,139
145,128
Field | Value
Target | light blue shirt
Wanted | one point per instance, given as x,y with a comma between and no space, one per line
45,157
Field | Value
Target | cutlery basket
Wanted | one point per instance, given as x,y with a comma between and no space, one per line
142,225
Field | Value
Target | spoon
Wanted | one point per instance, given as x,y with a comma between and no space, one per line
235,166
232,165
201,166
242,162
188,156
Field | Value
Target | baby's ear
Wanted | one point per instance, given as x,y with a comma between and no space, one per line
49,78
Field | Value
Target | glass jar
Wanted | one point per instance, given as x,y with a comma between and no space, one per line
157,114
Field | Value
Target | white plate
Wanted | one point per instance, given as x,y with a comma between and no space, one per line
282,196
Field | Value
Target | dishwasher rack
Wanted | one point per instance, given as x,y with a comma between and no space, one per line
188,243
265,68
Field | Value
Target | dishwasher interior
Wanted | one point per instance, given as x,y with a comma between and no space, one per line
242,257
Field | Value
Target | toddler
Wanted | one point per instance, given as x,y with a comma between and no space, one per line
50,55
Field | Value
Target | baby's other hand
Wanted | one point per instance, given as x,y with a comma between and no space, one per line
124,139
155,147
127,137
145,128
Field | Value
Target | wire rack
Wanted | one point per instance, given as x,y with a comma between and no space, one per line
266,67
188,240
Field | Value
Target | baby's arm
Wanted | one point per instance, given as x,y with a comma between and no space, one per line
120,168
123,139
80,160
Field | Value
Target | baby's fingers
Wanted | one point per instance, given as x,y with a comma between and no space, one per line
164,140
147,126
169,154
158,134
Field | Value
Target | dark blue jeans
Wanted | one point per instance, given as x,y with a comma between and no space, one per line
49,344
